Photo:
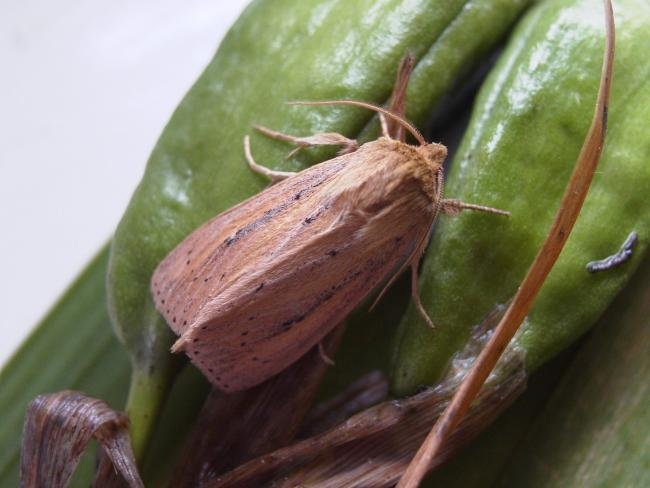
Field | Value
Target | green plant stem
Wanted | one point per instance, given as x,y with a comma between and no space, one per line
143,405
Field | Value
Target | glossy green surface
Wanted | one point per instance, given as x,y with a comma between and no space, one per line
277,51
595,430
72,348
526,131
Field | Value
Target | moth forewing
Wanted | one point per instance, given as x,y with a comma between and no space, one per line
256,287
209,259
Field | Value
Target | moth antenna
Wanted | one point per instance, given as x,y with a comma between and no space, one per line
412,260
356,103
387,286
415,294
453,206
440,191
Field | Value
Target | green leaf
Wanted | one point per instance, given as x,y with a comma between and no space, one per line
73,347
595,429
585,417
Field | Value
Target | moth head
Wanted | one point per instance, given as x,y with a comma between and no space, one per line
434,154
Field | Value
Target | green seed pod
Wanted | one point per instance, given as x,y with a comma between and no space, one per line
277,51
594,429
524,137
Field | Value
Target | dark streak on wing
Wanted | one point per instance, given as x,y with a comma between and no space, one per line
251,226
328,293
317,179
318,213
269,214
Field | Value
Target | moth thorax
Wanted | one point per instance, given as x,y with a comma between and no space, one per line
434,154
431,159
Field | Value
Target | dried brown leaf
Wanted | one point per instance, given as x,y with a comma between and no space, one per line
398,97
235,428
367,391
373,448
57,429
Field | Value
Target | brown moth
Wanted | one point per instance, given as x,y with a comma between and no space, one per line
257,286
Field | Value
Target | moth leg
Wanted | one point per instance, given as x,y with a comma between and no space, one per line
452,206
323,355
274,176
321,139
415,293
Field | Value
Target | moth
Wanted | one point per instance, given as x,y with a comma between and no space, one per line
257,286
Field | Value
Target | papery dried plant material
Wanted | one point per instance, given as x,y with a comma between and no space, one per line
572,200
57,429
374,447
361,394
397,103
254,288
232,429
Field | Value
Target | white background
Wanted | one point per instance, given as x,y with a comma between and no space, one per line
85,89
